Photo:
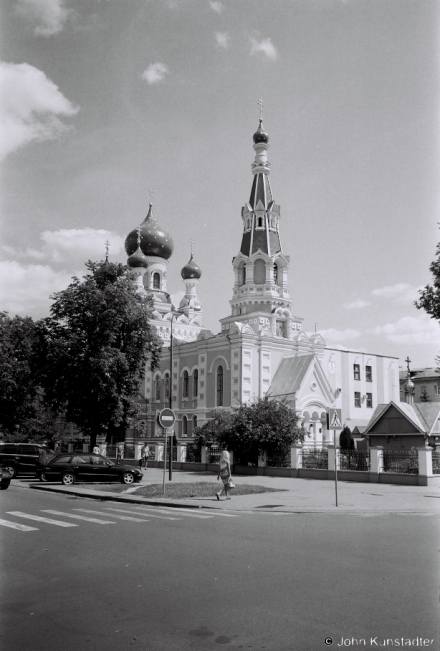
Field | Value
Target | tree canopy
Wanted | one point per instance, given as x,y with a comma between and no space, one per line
94,348
264,426
430,294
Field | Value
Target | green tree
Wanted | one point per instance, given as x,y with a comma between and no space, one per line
345,439
430,294
94,349
265,426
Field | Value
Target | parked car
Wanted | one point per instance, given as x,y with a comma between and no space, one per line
70,468
20,458
5,479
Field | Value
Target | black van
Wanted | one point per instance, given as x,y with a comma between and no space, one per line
20,458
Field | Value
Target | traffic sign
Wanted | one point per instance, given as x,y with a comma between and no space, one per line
167,418
334,419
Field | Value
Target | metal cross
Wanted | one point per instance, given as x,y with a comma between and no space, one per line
260,104
408,362
151,192
191,243
107,246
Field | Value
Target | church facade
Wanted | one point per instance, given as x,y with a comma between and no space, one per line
261,349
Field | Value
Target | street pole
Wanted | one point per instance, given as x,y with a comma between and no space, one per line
164,462
170,477
336,471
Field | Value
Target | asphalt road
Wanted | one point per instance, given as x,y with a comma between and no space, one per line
253,581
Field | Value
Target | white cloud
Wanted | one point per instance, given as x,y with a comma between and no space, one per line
402,293
71,246
356,305
25,289
216,6
30,107
411,330
155,73
331,335
50,15
222,39
265,46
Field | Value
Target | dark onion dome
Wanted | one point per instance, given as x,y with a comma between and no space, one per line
137,259
154,240
260,135
191,270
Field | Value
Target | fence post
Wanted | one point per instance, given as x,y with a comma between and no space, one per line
158,453
425,461
262,460
204,454
231,458
376,460
332,452
179,447
296,457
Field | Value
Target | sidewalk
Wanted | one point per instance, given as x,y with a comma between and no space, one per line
295,496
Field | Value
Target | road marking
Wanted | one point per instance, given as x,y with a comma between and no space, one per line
212,512
150,515
119,517
190,515
15,525
77,517
38,518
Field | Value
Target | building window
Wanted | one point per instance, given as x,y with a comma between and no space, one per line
369,400
194,423
357,372
357,398
157,388
220,386
184,426
167,386
437,389
275,274
156,281
185,384
369,373
196,383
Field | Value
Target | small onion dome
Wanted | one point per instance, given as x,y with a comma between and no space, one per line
137,259
260,135
191,270
409,386
154,240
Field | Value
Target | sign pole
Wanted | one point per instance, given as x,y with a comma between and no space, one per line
336,471
164,462
170,463
334,422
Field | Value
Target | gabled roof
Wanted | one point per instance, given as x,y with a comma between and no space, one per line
422,415
289,375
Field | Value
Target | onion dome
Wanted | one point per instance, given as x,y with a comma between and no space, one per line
260,135
137,259
191,270
409,385
154,240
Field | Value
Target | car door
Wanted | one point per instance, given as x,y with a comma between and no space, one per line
28,458
57,466
9,455
102,469
82,467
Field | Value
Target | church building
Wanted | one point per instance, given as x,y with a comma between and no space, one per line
261,348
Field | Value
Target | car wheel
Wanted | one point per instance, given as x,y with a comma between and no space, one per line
68,479
11,470
127,478
3,487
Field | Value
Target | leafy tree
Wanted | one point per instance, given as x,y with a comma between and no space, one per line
345,439
265,426
94,349
430,294
18,383
424,395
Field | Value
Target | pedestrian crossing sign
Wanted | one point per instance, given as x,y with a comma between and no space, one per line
334,419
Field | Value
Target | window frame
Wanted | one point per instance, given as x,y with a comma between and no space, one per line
357,399
369,400
185,385
220,386
356,372
368,373
196,383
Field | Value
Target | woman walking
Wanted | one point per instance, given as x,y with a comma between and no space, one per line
224,472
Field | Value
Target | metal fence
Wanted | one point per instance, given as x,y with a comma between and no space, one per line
436,462
214,454
279,460
193,453
401,461
354,460
314,458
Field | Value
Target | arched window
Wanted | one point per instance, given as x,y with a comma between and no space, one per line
156,281
275,273
157,388
184,426
196,383
259,272
167,386
220,386
185,384
242,274
194,423
260,222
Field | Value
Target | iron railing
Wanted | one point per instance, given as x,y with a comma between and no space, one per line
214,454
354,460
314,458
436,462
279,459
401,461
193,453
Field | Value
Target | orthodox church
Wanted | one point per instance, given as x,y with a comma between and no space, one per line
261,349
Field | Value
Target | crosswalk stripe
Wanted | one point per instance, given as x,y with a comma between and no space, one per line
38,518
15,525
119,517
150,515
77,517
188,515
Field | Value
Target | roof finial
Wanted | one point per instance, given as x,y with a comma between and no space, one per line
107,246
407,364
191,242
151,193
260,104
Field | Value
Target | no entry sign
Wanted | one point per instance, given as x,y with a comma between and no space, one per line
167,418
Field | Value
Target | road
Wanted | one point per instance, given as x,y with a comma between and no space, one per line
184,580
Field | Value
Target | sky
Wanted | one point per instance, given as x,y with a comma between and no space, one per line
108,104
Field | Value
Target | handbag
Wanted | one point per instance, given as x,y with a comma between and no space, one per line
230,483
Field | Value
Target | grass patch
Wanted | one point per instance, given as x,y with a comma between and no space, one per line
181,491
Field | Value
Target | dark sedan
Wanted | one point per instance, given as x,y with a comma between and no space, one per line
70,468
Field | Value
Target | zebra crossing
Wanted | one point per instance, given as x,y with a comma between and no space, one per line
107,516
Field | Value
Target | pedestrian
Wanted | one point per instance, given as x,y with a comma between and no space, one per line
145,455
119,452
96,449
224,472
